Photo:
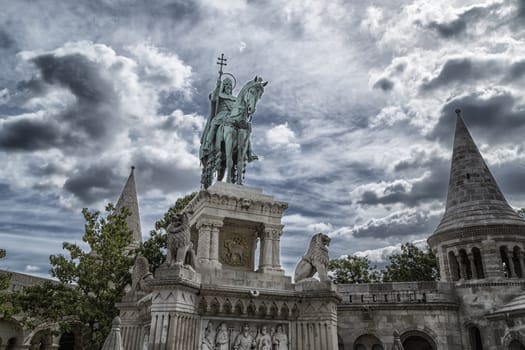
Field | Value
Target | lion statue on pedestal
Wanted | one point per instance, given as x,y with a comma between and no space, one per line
315,260
180,247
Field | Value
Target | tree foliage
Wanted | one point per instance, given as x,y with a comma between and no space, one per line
7,308
154,248
89,283
353,269
411,264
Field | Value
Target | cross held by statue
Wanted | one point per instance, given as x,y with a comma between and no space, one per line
221,61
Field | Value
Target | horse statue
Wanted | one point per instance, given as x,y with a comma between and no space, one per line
232,146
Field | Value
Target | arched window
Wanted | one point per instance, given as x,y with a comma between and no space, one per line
466,271
505,263
478,263
516,258
454,267
67,341
516,345
416,340
11,344
475,338
368,342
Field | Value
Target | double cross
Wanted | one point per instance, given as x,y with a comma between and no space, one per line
221,61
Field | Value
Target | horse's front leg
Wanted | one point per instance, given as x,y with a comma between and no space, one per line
229,134
244,135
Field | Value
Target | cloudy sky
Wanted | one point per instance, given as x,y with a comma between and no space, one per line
354,130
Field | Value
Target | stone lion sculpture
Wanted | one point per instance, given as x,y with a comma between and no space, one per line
315,260
180,247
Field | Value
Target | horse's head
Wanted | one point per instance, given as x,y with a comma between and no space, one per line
252,92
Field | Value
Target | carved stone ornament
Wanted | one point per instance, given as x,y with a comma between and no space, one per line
315,260
180,247
237,335
236,251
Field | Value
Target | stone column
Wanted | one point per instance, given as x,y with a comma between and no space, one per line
214,244
276,248
204,242
208,243
463,268
510,258
473,266
265,257
522,263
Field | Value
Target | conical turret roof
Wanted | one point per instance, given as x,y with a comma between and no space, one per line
474,198
128,198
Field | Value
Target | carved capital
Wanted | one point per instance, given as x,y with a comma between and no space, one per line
272,232
209,224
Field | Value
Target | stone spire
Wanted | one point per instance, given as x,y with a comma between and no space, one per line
474,198
128,198
114,339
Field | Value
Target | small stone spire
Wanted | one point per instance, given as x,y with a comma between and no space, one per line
128,198
474,198
397,345
114,339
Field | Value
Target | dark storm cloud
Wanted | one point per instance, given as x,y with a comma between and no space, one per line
95,183
463,70
5,191
422,159
510,178
498,118
516,71
521,8
459,26
164,175
397,225
87,120
6,42
28,135
179,10
80,75
429,188
449,29
384,84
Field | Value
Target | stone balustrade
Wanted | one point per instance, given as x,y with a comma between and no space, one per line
397,293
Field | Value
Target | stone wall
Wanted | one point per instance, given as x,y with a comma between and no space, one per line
370,313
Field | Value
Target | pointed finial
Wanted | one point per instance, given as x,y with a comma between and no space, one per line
116,321
458,112
132,168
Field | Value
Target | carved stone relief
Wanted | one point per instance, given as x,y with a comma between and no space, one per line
236,249
222,334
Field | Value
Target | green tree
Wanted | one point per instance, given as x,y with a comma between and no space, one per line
154,248
89,283
353,269
7,308
411,264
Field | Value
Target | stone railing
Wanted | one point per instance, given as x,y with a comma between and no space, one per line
397,293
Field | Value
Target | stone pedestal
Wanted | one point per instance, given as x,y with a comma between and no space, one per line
229,220
229,300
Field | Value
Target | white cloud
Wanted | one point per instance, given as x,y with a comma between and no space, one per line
380,255
281,136
32,268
